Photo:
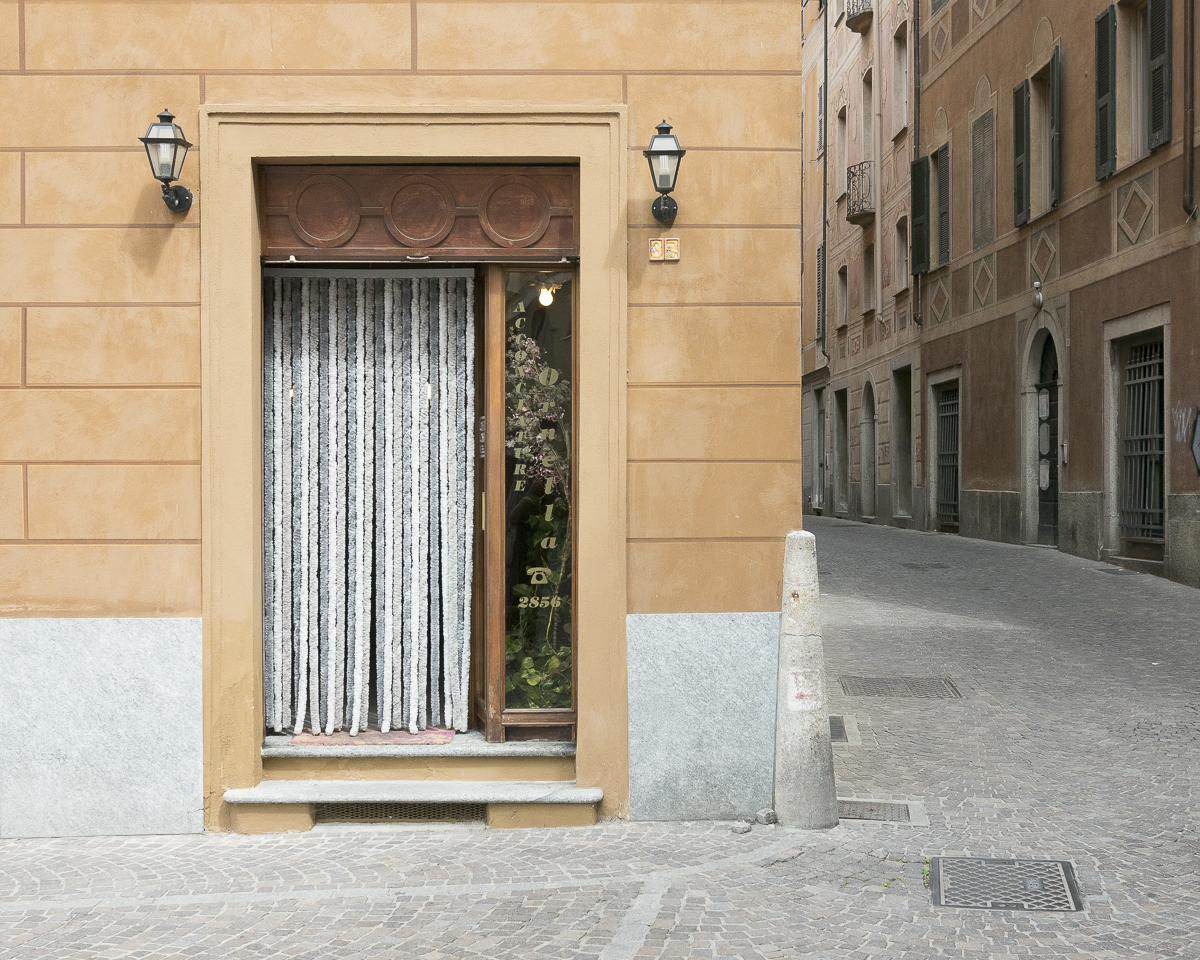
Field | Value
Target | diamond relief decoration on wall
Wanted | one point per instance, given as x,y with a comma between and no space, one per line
939,301
983,282
1134,213
856,346
940,36
1044,252
980,8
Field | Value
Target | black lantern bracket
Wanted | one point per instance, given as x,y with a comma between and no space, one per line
166,148
663,155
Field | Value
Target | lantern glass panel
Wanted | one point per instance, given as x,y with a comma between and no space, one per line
180,153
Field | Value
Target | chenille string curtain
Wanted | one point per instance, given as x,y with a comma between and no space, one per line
368,471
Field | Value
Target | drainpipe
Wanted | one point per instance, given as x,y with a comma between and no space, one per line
916,48
825,172
1189,108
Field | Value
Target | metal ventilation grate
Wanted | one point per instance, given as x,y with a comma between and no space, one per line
926,687
1004,884
400,812
837,730
873,810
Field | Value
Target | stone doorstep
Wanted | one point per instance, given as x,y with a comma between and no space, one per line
469,744
414,791
279,806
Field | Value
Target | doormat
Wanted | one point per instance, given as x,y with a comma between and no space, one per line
373,738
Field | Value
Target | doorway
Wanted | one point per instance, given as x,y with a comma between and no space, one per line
946,398
1047,445
901,446
418,533
867,450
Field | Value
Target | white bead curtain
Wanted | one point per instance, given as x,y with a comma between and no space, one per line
368,473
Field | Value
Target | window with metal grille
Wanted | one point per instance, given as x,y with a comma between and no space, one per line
947,457
1142,443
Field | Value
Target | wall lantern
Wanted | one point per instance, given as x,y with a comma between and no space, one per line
167,147
664,156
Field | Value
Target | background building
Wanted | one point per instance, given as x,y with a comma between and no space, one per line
1052,249
147,536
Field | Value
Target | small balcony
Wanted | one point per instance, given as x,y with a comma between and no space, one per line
860,193
858,15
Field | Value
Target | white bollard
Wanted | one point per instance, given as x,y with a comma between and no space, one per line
805,791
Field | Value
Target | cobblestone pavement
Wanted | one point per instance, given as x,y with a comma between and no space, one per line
1076,739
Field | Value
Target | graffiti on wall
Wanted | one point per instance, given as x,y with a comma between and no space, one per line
1187,429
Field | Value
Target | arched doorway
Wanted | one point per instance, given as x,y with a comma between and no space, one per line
1047,444
867,450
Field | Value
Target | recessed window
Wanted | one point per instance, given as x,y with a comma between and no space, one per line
900,79
843,297
868,117
869,278
939,206
902,254
842,159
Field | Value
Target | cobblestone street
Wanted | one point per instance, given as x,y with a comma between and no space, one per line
1077,738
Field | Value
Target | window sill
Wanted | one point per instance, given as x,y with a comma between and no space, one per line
469,744
900,133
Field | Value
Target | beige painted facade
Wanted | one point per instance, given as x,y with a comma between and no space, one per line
129,418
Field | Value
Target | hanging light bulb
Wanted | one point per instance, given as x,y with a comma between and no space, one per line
546,297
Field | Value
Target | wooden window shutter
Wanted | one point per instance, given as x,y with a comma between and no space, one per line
1159,86
1106,86
943,213
1055,154
821,119
1021,153
983,181
821,291
919,199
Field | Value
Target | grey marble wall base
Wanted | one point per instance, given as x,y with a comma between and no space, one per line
102,728
701,714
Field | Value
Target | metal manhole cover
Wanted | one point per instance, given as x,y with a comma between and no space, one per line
926,687
1004,884
837,730
873,810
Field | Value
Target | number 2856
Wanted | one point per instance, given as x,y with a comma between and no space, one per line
532,602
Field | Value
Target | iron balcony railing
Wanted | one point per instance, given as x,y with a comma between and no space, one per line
858,15
860,188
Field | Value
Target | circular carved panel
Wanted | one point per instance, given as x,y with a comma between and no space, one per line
324,211
514,211
420,211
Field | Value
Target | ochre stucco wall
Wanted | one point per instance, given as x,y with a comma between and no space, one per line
99,329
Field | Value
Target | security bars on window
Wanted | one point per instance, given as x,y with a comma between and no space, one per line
368,474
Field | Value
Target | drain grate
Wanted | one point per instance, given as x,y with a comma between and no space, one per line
873,810
1004,884
400,812
926,687
837,730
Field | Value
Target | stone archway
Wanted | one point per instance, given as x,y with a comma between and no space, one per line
1042,419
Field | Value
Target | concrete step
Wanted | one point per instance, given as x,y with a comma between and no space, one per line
415,791
276,806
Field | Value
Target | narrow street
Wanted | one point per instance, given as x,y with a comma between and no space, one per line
1076,737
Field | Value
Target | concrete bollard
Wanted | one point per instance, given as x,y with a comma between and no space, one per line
805,792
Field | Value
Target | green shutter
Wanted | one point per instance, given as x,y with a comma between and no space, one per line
943,165
919,198
1021,153
1055,155
1106,88
1158,128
